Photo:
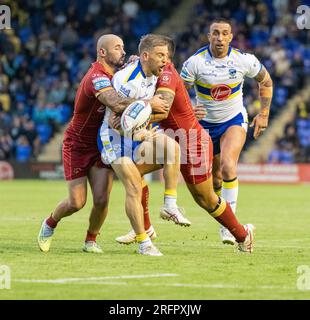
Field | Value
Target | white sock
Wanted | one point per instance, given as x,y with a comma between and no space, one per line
230,193
170,202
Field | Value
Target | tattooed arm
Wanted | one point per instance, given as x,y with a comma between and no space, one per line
168,96
114,101
118,103
260,122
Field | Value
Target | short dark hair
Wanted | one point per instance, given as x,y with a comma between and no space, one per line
151,41
171,46
220,20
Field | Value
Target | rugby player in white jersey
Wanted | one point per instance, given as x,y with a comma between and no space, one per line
138,80
217,72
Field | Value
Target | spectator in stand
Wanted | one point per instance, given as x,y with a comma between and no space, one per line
282,153
23,149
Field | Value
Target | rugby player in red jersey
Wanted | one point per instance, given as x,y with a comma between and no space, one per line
81,158
197,153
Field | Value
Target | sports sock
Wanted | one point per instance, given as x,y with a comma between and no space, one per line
170,198
91,236
51,222
145,205
225,216
230,192
142,237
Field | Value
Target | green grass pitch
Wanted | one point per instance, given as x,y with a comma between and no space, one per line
195,264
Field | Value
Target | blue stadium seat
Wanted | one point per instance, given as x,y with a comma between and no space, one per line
45,132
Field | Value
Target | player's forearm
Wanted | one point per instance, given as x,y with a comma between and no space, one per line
265,96
114,101
265,90
168,96
158,117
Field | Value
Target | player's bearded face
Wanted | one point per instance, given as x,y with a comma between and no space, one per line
220,36
116,59
116,55
157,59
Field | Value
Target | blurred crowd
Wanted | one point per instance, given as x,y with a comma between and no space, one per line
294,145
45,55
51,45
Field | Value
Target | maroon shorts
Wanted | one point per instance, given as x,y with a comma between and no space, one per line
79,157
197,167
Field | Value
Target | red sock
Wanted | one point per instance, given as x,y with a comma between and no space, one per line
91,236
145,205
229,221
51,222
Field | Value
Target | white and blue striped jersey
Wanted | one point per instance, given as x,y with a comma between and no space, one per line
133,83
218,82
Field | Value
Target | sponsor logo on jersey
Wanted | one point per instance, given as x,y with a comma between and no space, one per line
101,83
124,91
220,92
147,85
209,63
209,74
166,79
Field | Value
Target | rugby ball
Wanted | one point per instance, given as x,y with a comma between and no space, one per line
135,117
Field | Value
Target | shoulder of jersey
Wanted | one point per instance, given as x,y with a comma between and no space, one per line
132,72
238,51
202,51
168,68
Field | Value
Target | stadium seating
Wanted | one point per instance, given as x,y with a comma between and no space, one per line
46,53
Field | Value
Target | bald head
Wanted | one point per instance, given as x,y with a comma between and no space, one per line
110,49
105,40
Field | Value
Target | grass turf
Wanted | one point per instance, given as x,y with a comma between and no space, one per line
195,264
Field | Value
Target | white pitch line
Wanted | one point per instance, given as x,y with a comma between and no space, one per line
220,245
104,281
86,281
90,279
198,285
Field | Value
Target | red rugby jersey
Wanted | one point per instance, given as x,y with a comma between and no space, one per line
181,114
88,110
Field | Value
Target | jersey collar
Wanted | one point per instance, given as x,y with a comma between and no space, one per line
105,67
140,69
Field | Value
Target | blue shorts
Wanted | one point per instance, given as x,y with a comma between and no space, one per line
216,130
113,146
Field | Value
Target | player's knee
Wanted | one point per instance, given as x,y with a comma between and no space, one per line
205,201
228,168
134,189
217,182
101,201
76,205
173,150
